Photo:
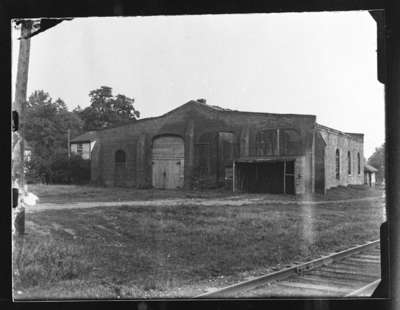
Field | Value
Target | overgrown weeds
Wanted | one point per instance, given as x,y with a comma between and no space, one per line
47,262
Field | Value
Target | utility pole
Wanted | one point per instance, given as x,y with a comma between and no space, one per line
19,108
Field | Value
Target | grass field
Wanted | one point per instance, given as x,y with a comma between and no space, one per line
179,251
74,193
82,193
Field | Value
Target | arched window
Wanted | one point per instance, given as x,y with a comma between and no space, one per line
120,157
358,163
265,143
337,164
348,163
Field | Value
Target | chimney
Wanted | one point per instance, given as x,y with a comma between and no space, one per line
202,100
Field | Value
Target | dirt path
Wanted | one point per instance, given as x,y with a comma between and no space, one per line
229,201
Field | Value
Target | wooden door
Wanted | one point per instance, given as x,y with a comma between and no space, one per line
168,162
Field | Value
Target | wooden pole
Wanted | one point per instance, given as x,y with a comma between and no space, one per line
18,214
19,107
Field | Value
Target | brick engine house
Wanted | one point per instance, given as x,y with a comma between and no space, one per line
201,146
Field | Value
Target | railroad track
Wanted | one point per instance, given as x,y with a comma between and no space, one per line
353,272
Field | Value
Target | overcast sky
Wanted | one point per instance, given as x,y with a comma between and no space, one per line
307,63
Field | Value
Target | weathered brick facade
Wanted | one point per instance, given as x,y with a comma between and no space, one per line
348,145
214,139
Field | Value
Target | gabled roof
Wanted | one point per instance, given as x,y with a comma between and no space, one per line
225,110
202,104
369,168
86,137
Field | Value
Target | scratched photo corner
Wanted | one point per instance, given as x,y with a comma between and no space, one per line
198,156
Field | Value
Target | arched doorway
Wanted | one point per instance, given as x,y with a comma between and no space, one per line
168,162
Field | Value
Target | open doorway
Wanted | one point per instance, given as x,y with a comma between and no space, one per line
267,176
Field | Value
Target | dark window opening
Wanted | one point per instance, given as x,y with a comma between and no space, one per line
358,163
349,162
120,157
337,164
120,168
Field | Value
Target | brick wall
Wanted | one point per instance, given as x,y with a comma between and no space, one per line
95,164
108,162
197,124
319,164
344,142
300,175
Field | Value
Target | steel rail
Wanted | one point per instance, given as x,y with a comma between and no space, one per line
365,290
282,274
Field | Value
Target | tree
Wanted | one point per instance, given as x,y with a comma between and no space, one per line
377,160
107,110
46,131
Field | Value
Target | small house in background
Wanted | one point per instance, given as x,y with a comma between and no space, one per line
83,144
369,175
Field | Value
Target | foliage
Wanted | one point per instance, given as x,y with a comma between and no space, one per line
106,110
75,170
46,131
377,160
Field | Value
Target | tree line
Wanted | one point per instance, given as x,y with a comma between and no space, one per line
377,160
46,132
